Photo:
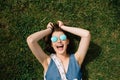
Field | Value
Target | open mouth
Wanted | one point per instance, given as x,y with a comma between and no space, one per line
60,47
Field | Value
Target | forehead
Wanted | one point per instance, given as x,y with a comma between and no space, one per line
57,33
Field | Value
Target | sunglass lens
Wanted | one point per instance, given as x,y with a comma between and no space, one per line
63,37
54,39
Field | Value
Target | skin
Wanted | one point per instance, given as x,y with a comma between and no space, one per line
44,59
62,53
59,43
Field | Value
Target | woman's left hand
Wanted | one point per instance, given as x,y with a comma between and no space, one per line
60,23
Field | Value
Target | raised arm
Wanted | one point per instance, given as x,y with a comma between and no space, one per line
84,42
36,49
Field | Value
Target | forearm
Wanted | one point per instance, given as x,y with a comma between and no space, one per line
76,31
39,35
84,41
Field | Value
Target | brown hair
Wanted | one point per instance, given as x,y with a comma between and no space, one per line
48,40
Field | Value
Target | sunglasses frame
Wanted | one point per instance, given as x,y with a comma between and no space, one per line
62,37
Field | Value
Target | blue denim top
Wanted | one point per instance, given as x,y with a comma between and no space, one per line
73,72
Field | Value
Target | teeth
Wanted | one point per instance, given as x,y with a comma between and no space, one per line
60,46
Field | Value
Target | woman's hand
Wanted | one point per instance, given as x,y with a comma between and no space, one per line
50,25
60,23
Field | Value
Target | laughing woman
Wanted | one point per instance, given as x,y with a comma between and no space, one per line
60,65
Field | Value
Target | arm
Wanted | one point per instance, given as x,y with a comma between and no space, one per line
36,49
84,42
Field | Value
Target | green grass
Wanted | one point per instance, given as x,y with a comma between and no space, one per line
20,18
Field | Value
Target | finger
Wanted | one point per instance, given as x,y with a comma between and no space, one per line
49,23
60,23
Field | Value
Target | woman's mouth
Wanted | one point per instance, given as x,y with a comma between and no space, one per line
60,47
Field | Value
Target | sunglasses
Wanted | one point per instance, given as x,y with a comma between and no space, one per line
62,38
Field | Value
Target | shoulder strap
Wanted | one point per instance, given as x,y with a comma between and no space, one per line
59,66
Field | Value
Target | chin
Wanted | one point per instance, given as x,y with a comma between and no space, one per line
60,52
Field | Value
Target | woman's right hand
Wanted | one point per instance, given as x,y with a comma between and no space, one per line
50,25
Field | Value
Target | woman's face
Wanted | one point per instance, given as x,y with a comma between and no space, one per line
59,42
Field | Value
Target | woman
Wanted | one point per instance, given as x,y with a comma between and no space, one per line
59,42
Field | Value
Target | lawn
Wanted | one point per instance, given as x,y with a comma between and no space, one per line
20,18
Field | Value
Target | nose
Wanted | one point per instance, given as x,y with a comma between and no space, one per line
58,40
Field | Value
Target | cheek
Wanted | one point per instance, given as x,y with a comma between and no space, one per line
66,42
53,45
